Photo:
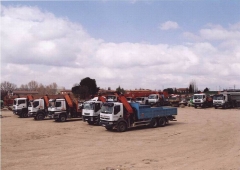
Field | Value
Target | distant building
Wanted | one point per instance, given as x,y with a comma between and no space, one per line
183,90
20,93
66,92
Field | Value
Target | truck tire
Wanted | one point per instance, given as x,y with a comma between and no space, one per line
162,122
122,126
90,122
153,123
40,116
62,118
216,107
109,128
24,113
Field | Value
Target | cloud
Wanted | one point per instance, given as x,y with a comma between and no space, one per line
169,25
37,45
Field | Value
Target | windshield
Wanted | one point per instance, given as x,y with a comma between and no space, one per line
35,103
58,104
107,108
197,96
218,97
152,97
51,104
111,98
138,99
88,106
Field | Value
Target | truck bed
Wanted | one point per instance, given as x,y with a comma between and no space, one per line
147,112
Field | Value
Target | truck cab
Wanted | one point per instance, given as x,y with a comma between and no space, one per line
18,105
55,106
202,100
156,100
36,105
142,100
91,111
223,100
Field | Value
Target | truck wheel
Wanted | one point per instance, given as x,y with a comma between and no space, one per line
216,107
109,128
153,123
162,122
40,116
98,121
90,122
121,127
62,118
25,115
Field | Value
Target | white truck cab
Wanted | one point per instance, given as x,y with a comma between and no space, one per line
36,105
142,100
19,104
111,112
91,111
56,105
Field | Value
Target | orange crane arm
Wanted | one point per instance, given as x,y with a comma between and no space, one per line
125,103
68,100
46,99
101,98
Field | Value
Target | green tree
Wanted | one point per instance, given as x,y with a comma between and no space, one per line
206,90
120,90
86,87
193,87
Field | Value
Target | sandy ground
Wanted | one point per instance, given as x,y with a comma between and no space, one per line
206,139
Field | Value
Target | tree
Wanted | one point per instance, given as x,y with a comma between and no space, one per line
91,84
85,88
7,87
120,90
33,85
205,90
192,87
169,90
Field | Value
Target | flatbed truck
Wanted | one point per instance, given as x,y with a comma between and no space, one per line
123,115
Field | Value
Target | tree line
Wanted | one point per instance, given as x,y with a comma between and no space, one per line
8,87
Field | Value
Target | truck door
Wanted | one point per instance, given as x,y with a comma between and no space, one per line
22,103
117,112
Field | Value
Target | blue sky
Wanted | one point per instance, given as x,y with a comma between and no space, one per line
173,42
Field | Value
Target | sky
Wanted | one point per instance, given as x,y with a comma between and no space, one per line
151,44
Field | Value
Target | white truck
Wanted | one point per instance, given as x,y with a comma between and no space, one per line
91,110
123,115
156,100
39,108
63,109
226,99
202,100
20,106
142,100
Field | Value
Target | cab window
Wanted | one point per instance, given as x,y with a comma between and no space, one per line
116,109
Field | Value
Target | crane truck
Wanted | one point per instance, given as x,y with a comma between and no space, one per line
39,108
20,106
202,100
63,109
91,110
226,99
123,115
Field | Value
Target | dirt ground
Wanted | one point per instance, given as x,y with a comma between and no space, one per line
200,139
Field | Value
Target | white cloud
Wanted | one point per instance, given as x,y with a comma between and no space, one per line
39,46
169,25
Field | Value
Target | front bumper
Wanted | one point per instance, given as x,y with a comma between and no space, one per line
17,112
89,118
108,124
